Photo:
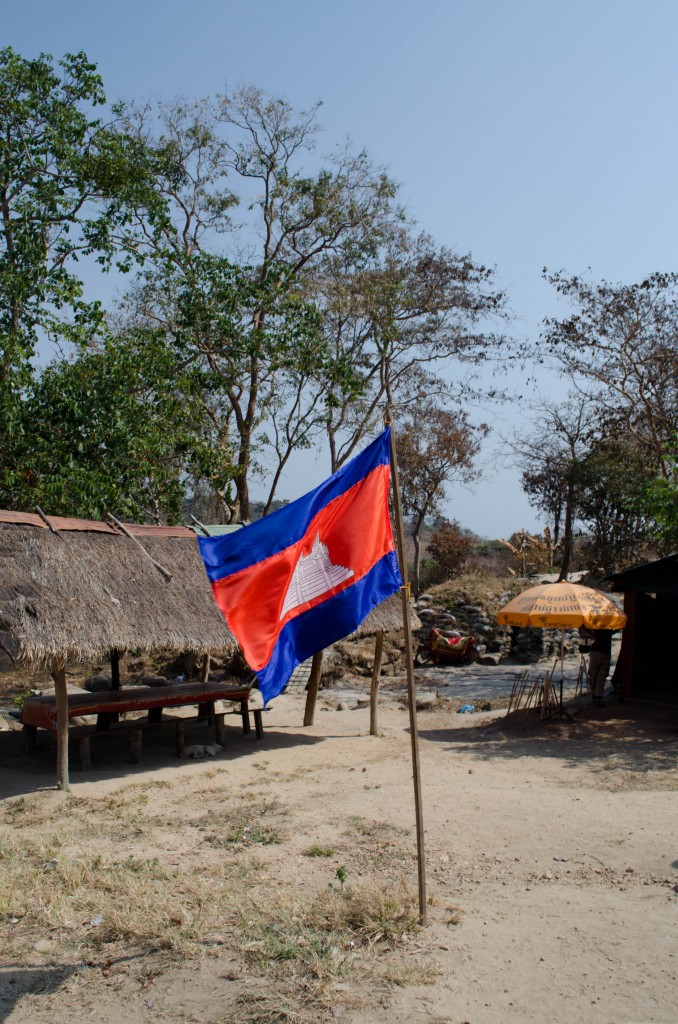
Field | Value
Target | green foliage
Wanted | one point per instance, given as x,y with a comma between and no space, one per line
117,429
657,502
66,184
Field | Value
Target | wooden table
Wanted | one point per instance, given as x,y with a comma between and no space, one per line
40,712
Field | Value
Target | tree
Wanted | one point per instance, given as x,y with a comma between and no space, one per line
620,349
67,184
248,151
394,316
657,502
116,429
613,476
550,453
531,550
435,446
450,548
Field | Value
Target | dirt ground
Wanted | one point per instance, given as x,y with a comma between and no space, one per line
277,881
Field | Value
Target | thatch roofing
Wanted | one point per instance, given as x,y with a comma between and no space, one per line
387,616
88,589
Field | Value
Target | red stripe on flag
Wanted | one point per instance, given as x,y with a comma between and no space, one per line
356,530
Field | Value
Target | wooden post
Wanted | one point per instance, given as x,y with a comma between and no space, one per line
61,694
115,670
205,669
409,662
627,654
374,689
313,686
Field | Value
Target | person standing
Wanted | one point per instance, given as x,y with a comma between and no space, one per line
600,655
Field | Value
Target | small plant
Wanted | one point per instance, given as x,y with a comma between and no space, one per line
19,698
319,851
341,875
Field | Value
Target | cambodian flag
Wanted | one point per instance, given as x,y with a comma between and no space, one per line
299,579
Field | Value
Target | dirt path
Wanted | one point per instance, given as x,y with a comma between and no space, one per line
551,853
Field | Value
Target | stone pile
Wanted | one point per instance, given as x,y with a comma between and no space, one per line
494,642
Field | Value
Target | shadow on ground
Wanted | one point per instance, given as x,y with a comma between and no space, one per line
24,773
632,737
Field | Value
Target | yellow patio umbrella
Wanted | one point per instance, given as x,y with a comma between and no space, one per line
562,606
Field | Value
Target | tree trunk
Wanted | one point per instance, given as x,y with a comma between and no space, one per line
567,532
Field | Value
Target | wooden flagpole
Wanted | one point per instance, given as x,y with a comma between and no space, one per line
411,695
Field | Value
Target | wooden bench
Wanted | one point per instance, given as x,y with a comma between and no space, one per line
40,713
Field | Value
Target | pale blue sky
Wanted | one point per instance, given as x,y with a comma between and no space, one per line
529,133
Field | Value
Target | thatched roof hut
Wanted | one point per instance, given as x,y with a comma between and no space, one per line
88,589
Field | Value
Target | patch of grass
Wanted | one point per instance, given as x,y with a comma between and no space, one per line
93,902
318,851
367,914
239,836
243,825
376,829
254,1008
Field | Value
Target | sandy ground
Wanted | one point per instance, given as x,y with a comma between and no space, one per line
551,848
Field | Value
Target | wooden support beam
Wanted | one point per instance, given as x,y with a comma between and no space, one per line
627,654
58,671
205,669
374,689
115,670
205,532
313,687
123,529
47,522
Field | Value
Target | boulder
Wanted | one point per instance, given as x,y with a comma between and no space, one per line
100,683
154,681
489,659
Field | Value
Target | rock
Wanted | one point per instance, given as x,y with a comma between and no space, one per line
98,684
154,681
42,946
489,659
425,701
201,750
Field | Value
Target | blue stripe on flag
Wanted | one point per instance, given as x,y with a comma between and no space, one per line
232,552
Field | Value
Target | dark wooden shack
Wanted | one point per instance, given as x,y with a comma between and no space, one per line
647,667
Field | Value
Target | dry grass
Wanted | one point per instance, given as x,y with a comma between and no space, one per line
99,879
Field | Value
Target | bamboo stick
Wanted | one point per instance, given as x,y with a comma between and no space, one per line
409,662
374,688
161,569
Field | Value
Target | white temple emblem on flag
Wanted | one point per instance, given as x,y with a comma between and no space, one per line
314,575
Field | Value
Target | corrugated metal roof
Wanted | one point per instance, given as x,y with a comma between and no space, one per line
65,524
657,577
